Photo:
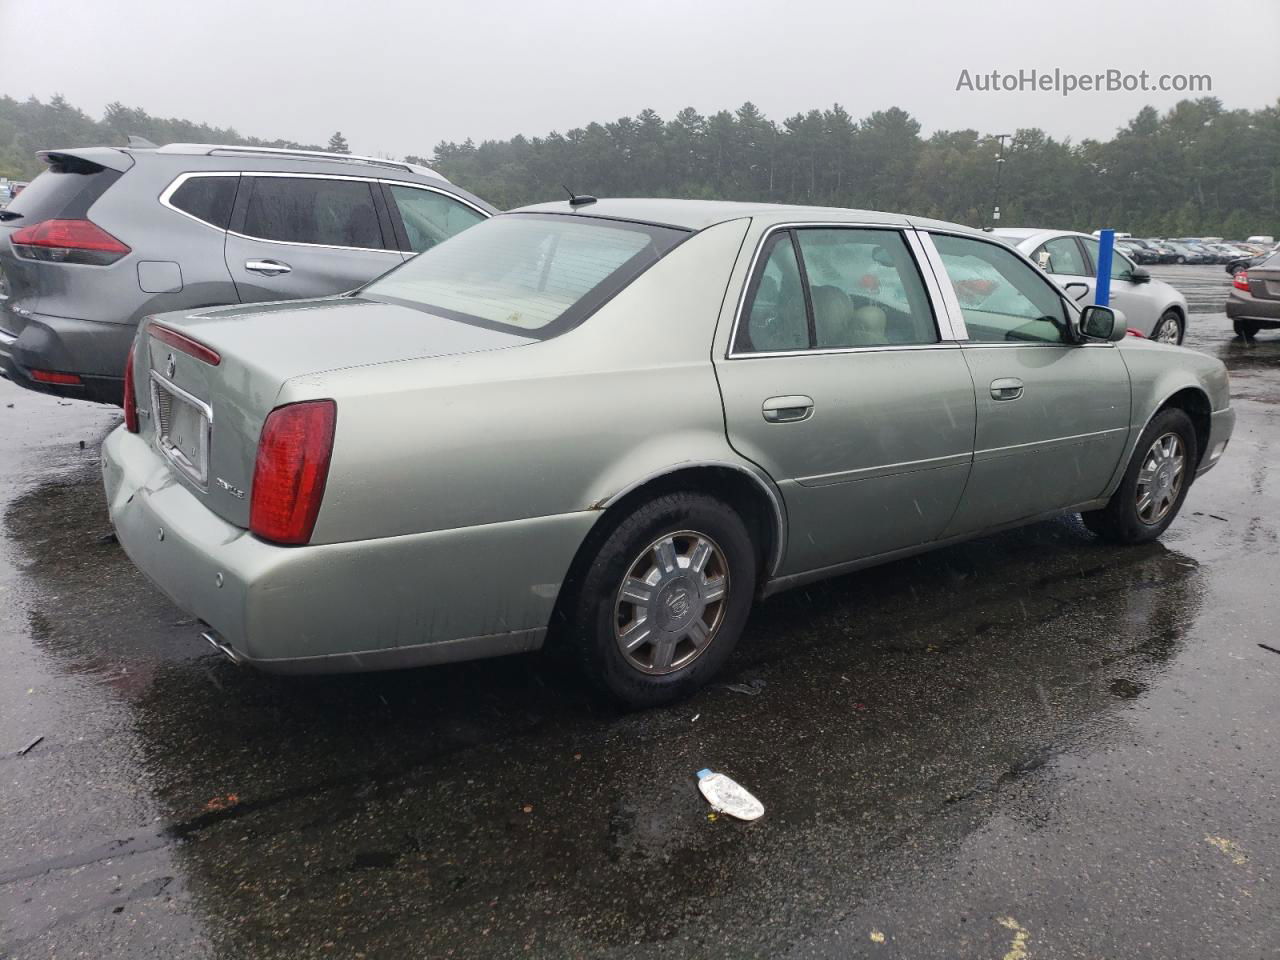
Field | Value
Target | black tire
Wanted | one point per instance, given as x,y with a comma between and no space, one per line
1169,317
1180,260
1247,329
592,612
1119,521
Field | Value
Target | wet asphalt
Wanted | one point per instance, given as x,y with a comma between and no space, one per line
1034,745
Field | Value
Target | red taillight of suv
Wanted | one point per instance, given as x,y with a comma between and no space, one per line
68,241
291,469
130,396
1241,281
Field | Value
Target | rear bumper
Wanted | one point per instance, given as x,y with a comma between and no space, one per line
94,352
367,605
1245,306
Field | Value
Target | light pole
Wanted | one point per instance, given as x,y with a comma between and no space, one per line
995,201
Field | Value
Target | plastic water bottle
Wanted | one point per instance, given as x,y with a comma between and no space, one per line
727,796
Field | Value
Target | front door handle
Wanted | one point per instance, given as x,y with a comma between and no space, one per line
787,409
268,268
1006,388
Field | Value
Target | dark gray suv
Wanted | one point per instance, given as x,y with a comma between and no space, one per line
109,235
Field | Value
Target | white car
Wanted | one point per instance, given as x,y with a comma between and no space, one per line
1152,307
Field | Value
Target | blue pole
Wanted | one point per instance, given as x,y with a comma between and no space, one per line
1106,244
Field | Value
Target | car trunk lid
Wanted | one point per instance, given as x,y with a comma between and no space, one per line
207,380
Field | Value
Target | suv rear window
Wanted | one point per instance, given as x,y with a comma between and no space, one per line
207,198
537,274
314,210
65,191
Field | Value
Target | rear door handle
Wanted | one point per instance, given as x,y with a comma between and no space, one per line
787,409
268,268
1006,388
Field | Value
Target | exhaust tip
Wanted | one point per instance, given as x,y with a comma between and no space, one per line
222,646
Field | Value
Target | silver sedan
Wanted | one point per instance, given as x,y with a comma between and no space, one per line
617,423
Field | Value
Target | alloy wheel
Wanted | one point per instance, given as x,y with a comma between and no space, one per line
1168,332
1160,478
671,602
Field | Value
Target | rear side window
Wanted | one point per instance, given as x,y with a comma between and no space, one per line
207,198
63,192
431,217
1061,256
313,210
850,287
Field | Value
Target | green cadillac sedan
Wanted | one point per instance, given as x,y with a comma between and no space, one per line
616,423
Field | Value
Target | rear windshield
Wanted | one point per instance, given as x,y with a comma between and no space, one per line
63,193
538,274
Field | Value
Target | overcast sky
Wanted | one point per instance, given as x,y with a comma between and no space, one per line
398,77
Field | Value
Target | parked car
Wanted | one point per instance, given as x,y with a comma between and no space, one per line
1139,251
1186,253
1152,307
618,422
106,236
1254,301
1164,252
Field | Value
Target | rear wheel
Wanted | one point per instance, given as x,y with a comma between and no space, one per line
1168,328
663,600
1246,328
1154,485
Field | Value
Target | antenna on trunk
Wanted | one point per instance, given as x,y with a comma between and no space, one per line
578,200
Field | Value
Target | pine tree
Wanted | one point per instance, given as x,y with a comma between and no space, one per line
338,144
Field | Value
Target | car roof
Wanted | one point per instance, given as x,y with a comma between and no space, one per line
700,214
1020,235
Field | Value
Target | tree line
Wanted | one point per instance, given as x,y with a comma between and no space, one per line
1196,169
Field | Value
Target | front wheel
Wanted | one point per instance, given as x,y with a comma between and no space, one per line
1154,485
1168,328
664,599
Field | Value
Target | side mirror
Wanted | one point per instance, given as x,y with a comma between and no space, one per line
1139,275
1100,323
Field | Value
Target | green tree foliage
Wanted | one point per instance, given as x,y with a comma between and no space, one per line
29,125
338,144
1195,169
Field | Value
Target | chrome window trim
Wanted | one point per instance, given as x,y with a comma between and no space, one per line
201,479
950,327
167,195
948,291
903,229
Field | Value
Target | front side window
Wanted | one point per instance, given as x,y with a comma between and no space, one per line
313,210
538,274
775,318
207,198
1061,257
865,289
1001,297
1121,266
431,217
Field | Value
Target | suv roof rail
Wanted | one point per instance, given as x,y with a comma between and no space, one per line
213,149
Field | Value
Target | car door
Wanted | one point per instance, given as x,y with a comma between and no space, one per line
1135,300
837,381
296,236
1052,414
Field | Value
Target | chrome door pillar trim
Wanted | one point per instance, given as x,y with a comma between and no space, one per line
949,302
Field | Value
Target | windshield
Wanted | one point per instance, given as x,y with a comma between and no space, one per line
539,274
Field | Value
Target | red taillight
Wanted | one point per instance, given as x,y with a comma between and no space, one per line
130,397
1135,332
184,344
1241,281
291,469
52,376
67,241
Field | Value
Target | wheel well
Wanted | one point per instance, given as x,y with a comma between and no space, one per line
1195,405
